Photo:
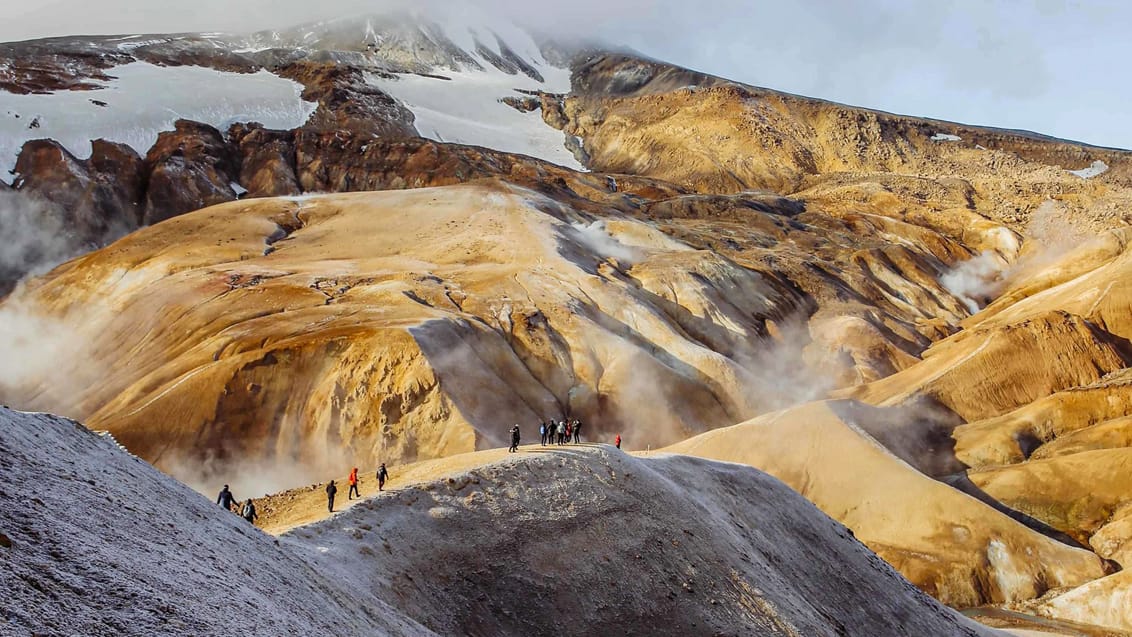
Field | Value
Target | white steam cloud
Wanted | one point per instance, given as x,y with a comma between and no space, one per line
1049,235
976,281
597,238
34,238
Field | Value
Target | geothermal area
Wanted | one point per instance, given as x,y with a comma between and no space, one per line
839,372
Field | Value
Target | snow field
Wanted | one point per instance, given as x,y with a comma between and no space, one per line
144,100
465,109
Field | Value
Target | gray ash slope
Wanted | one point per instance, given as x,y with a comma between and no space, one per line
585,541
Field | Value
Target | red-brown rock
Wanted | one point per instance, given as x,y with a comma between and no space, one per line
267,160
191,167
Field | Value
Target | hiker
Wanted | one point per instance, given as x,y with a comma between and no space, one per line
569,429
514,439
249,512
382,474
353,485
577,431
561,433
542,432
617,441
226,499
330,491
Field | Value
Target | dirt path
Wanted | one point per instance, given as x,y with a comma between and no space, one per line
1025,625
287,510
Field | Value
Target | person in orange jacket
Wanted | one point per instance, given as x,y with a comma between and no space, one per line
353,485
617,441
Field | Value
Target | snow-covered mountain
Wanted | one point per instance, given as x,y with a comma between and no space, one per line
451,75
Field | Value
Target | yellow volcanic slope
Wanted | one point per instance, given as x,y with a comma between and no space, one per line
302,334
956,548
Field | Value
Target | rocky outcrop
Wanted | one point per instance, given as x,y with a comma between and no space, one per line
346,102
97,200
190,168
267,160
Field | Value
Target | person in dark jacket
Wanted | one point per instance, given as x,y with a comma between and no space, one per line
248,512
226,499
382,476
514,439
331,490
577,431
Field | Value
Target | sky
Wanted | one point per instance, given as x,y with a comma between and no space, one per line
1053,66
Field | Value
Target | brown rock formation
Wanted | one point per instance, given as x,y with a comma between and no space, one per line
97,199
190,168
267,160
346,102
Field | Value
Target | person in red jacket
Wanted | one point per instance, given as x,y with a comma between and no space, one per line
353,485
617,441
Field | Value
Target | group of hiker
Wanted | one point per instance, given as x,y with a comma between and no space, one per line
248,512
332,489
555,432
227,500
561,431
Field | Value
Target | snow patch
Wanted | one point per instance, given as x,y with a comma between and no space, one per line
143,100
465,109
1098,167
944,137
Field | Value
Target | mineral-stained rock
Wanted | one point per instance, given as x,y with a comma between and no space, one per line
97,199
267,160
951,545
347,102
191,167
